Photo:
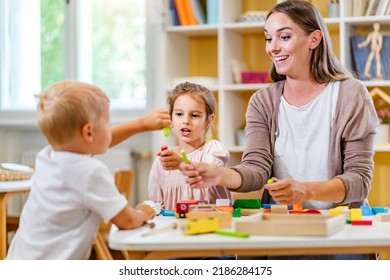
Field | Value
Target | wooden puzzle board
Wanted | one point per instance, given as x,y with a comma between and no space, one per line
295,224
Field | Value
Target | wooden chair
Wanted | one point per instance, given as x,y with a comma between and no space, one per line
123,181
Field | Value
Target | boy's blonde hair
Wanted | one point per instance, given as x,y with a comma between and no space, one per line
64,108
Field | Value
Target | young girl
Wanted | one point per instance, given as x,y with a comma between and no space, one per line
191,107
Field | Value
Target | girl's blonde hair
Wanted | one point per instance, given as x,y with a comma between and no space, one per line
325,66
197,92
64,108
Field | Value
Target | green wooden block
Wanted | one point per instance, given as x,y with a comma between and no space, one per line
251,203
236,213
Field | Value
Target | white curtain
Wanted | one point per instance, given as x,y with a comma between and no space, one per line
19,53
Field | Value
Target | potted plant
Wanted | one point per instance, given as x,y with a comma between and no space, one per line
382,132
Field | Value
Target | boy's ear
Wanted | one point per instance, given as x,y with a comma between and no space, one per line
86,132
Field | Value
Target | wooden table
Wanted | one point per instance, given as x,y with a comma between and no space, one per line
172,243
7,189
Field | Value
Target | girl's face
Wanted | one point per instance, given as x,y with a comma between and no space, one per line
288,46
189,121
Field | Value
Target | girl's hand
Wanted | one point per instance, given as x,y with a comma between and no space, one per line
286,191
170,160
201,175
156,119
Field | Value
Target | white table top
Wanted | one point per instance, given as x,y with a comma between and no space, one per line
18,185
352,236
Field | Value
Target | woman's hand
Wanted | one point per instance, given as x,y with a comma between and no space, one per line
201,175
286,191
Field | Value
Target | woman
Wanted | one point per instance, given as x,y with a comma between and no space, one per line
311,130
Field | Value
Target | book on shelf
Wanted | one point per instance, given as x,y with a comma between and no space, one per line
359,7
199,11
370,7
360,59
382,7
181,12
174,18
237,68
212,11
189,12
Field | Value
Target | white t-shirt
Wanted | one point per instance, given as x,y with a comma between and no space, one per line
302,146
71,193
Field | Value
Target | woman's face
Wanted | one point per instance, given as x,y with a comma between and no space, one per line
288,46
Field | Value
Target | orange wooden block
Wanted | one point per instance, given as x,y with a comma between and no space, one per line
297,206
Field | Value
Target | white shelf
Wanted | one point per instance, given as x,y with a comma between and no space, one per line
382,147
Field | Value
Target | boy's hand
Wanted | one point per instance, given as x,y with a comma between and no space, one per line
156,119
147,211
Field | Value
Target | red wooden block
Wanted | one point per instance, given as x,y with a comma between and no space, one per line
165,147
361,223
307,211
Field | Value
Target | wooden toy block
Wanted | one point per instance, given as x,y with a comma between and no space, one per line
342,207
377,210
224,218
222,213
306,225
279,209
251,203
335,211
361,222
165,130
237,213
199,226
297,206
347,214
383,217
248,212
356,214
222,202
184,157
306,211
183,207
366,210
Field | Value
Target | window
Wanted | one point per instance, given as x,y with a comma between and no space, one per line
95,41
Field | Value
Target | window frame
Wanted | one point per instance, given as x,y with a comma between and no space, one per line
73,68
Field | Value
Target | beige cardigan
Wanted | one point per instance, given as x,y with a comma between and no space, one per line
351,145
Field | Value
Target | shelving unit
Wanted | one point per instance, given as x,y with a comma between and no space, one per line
206,50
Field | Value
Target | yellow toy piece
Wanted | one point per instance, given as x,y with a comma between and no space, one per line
222,213
199,226
356,214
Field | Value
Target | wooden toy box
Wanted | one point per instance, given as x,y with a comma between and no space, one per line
295,224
